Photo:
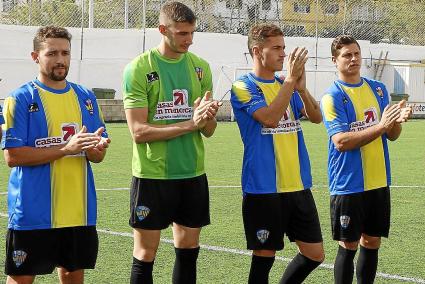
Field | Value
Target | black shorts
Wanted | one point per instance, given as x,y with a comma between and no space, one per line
364,212
36,252
155,204
268,217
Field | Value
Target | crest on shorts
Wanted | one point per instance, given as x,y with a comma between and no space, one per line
142,212
345,221
18,257
263,235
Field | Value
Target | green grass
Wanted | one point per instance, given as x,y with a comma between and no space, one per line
401,254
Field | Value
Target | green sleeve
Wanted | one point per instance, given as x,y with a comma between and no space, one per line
134,88
206,83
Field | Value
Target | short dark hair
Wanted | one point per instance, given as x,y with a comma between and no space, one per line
259,33
340,41
46,32
176,12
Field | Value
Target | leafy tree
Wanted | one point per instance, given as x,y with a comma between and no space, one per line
40,13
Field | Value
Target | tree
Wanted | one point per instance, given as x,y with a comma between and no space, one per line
37,13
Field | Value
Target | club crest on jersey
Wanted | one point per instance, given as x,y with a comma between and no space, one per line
199,72
151,77
142,212
89,106
18,257
380,92
33,107
263,235
344,220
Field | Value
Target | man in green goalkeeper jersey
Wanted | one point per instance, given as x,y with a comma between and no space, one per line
167,100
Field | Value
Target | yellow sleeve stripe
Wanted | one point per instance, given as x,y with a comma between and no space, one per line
241,91
328,107
9,112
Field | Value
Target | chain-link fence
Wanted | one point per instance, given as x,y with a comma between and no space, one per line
390,21
394,21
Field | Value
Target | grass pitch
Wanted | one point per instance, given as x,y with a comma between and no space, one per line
224,257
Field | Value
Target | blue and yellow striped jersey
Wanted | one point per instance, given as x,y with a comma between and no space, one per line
355,107
61,193
1,116
275,159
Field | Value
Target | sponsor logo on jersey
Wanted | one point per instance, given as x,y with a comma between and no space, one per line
48,141
199,72
180,97
344,220
177,109
68,130
151,77
18,257
370,119
33,107
263,235
286,125
142,212
89,106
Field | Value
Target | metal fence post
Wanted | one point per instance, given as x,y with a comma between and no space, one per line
144,25
91,14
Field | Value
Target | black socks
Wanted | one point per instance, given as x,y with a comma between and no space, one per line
185,265
260,268
141,272
367,264
344,266
298,269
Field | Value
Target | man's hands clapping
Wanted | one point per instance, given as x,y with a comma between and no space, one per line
204,110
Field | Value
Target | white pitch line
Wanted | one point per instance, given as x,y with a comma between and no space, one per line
111,189
238,186
248,253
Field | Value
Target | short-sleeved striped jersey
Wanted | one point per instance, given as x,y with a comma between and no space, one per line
1,116
355,107
168,88
275,159
60,193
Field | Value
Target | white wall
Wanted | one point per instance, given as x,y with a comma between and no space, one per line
106,52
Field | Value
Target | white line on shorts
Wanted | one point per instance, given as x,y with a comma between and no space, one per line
248,253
